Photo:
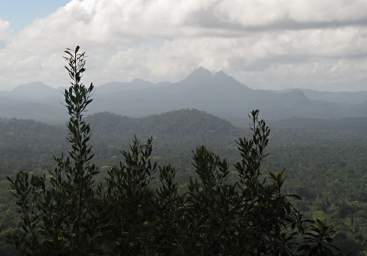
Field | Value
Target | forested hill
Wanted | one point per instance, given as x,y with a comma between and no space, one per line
27,144
186,123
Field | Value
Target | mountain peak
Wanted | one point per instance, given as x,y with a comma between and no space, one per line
220,73
200,73
34,86
34,92
223,75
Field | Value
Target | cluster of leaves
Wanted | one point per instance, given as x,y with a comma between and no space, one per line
139,209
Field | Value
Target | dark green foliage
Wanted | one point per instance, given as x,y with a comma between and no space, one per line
129,201
318,240
168,235
212,207
27,190
58,211
139,209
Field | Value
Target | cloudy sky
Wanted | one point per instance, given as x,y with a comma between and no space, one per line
272,44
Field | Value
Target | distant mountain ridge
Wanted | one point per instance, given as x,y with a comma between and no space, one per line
356,124
215,93
337,97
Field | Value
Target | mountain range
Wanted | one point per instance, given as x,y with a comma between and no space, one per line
28,144
216,93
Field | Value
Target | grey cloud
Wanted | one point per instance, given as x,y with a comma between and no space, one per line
261,64
207,19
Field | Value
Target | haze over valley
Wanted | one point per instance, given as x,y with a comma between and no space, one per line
215,93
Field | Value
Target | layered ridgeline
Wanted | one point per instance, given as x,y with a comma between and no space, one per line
215,93
29,144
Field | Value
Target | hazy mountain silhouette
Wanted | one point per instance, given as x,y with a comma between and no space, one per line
337,97
356,124
179,123
36,92
215,93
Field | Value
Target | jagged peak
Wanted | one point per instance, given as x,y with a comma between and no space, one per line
200,73
220,73
223,75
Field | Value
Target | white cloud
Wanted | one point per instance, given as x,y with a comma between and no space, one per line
265,12
265,43
4,26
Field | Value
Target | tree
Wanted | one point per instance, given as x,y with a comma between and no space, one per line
58,210
130,201
168,235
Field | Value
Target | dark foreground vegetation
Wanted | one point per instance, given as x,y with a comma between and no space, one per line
139,209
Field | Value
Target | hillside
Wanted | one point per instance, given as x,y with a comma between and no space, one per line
27,144
182,123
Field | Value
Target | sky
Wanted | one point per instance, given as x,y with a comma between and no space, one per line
21,13
266,44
